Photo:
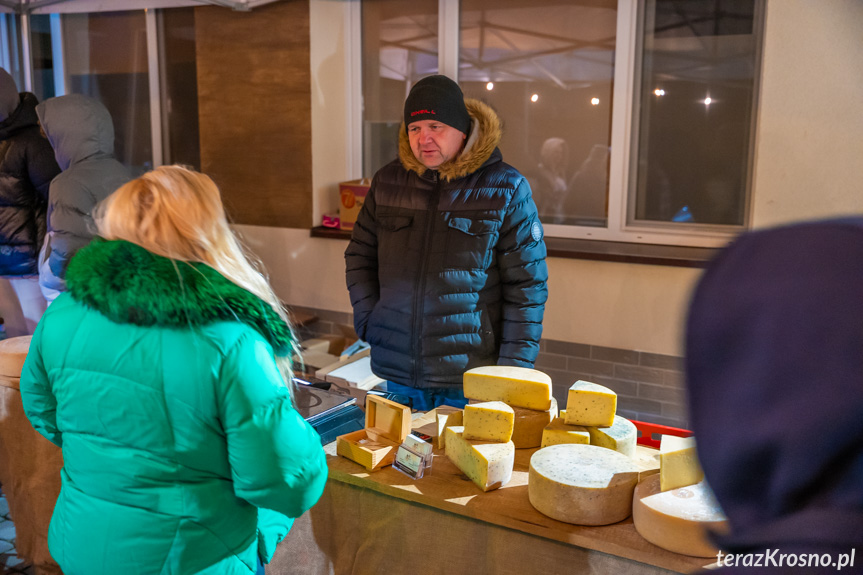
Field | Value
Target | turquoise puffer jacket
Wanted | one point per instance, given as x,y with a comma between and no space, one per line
182,451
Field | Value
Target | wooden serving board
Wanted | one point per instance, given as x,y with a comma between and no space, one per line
444,487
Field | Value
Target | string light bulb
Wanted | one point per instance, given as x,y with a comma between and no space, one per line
534,98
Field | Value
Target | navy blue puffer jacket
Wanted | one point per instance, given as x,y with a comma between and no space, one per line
446,268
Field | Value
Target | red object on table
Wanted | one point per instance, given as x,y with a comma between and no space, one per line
646,432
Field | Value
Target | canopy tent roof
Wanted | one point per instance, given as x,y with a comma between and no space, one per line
55,6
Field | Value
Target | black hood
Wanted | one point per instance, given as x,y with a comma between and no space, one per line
24,116
775,375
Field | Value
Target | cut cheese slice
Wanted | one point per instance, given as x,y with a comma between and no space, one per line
487,464
529,424
557,432
13,352
677,520
488,421
446,416
621,436
582,484
590,404
516,386
678,462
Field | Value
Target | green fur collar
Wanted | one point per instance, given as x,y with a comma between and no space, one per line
128,284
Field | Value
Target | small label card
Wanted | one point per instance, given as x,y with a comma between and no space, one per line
413,457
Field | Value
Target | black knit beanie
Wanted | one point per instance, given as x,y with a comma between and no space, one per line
437,98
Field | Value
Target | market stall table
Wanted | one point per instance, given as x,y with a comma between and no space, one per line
385,522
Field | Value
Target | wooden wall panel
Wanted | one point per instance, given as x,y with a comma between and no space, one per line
254,102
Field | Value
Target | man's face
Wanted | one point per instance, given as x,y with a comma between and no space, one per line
434,143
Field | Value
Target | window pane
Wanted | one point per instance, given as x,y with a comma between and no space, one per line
106,58
43,59
10,47
546,67
695,108
400,46
180,132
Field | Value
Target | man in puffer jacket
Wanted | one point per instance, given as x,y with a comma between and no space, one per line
27,167
446,267
81,132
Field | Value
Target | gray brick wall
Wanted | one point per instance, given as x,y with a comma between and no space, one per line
649,386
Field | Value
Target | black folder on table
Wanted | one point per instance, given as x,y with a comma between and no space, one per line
330,414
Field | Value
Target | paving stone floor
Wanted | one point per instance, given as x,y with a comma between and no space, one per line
10,563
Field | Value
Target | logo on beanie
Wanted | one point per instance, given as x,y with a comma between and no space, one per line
422,112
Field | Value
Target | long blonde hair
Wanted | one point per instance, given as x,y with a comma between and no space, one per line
177,213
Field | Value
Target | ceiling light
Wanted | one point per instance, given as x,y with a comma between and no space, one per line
594,101
659,92
489,86
534,98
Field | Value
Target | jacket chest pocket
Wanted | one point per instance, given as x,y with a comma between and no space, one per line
394,234
470,242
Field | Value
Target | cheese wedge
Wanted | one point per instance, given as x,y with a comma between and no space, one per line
446,416
590,404
678,520
488,421
515,386
529,424
488,465
621,436
557,432
678,462
582,484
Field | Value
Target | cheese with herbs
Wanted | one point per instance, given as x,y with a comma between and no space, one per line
621,436
488,421
590,404
678,462
515,386
487,464
529,424
558,432
678,520
582,484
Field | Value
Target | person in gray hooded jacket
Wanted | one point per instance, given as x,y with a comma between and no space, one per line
81,132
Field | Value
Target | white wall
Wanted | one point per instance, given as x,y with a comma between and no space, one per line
809,163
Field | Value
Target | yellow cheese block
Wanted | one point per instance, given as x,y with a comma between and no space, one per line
488,421
590,404
678,462
677,520
515,386
582,484
487,464
13,352
529,424
446,416
621,436
562,414
558,432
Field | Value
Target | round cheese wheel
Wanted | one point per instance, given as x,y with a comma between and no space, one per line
582,484
677,520
13,352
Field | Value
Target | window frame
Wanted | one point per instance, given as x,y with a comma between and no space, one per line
624,123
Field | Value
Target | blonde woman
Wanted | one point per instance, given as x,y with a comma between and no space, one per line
164,375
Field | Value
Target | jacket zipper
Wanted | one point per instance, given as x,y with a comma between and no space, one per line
421,284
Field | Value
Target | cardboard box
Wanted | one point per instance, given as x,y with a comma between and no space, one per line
352,195
387,425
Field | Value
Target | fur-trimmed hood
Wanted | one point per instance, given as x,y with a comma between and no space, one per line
129,284
485,134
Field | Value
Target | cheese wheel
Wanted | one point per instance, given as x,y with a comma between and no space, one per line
13,352
590,404
529,424
516,386
621,436
487,464
557,432
678,462
678,520
582,484
488,421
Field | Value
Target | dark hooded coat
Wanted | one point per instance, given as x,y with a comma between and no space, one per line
775,379
27,167
446,268
81,132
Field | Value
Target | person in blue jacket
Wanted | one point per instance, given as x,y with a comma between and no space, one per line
774,370
446,265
